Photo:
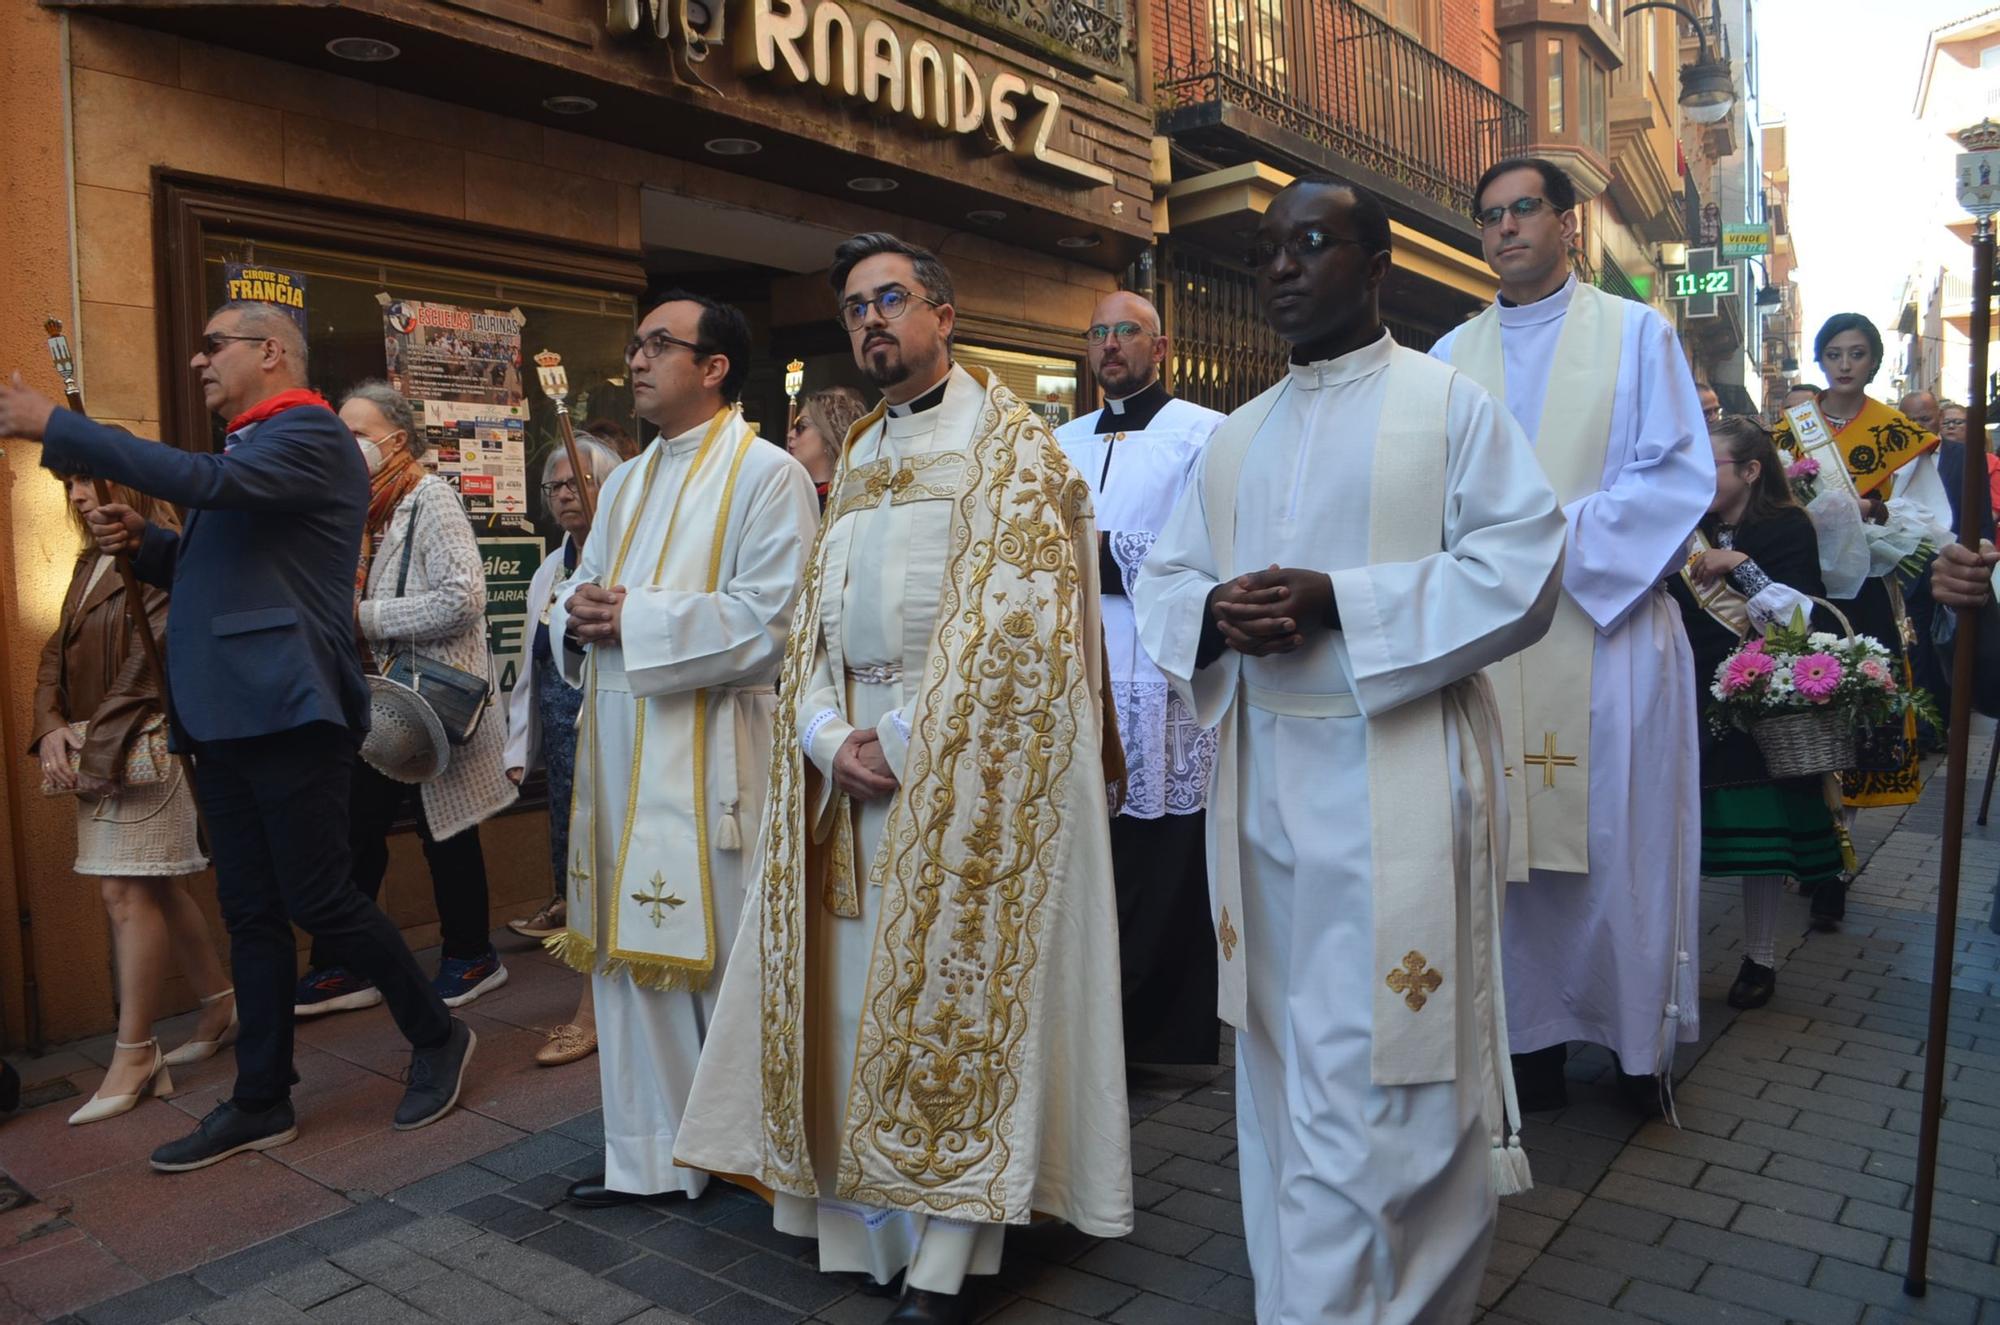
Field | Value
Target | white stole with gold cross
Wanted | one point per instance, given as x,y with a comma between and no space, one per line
1544,691
1433,925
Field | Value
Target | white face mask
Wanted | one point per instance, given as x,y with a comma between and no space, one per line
371,454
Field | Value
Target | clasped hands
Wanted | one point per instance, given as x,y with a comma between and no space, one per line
860,768
596,613
1271,611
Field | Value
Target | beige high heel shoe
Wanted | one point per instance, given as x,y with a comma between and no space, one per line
157,1084
195,1051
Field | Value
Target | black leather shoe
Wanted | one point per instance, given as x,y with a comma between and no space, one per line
10,1088
1539,1083
435,1077
592,1193
920,1306
1642,1094
226,1131
1754,986
1829,905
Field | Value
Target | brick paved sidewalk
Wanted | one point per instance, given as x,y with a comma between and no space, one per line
1781,1197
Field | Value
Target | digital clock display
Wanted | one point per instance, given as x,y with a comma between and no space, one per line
1690,284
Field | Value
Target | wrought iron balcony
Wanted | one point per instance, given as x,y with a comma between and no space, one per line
1345,80
1091,33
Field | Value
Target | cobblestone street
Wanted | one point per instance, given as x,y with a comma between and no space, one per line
1782,1195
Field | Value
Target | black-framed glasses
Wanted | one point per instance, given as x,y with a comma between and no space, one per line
1100,333
1520,209
1305,243
552,490
213,341
656,343
891,303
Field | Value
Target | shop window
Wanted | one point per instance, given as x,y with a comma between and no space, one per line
454,314
1047,382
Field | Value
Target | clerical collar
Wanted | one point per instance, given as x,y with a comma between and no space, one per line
1546,309
931,399
1370,359
1135,411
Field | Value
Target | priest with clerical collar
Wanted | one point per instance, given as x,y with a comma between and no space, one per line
1355,545
1603,909
1136,454
918,1039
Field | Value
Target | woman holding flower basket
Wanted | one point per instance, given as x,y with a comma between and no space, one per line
1753,568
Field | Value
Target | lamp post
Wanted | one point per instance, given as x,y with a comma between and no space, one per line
1978,193
1707,88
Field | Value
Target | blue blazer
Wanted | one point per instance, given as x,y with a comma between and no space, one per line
260,631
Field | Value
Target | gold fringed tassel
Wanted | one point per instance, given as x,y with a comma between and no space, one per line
572,950
660,977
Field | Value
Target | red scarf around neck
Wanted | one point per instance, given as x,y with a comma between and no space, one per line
278,404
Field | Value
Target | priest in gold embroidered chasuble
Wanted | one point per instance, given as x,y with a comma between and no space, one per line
673,625
918,1041
1357,824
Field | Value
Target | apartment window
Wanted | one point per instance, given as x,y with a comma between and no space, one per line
1514,72
1595,109
1555,88
1251,37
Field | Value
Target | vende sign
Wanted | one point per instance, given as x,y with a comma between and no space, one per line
858,56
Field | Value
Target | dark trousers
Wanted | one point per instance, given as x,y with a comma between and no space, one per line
1166,939
457,866
276,808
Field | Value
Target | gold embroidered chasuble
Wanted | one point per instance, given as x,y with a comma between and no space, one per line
988,1069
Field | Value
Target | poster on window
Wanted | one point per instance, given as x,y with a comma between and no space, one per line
460,369
267,285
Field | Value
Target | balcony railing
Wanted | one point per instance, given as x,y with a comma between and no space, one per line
1345,79
1092,33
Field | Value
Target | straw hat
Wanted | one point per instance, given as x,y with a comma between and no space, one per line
405,741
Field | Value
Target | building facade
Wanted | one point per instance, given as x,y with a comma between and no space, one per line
441,191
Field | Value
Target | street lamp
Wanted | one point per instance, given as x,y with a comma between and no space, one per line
1707,88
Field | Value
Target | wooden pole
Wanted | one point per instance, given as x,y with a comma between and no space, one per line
1974,498
555,385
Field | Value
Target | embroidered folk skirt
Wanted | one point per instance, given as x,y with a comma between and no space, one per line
142,832
1769,828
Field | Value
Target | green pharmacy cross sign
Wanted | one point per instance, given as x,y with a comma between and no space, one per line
1701,282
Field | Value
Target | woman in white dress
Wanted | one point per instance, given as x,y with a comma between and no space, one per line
94,694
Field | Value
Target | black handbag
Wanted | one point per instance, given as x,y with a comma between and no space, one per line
458,697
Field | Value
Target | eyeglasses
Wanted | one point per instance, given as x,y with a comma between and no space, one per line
1265,251
654,344
1520,209
213,341
550,491
892,304
1100,333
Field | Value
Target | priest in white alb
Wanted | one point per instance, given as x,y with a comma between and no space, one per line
1136,453
673,623
1603,916
918,1042
1356,545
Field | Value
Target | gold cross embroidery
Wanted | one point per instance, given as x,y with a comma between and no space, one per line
580,877
1548,760
1226,932
660,897
1414,979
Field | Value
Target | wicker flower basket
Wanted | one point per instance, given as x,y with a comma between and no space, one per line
1797,745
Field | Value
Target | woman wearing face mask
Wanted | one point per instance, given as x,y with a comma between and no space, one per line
133,840
442,612
541,716
1903,507
817,434
1764,558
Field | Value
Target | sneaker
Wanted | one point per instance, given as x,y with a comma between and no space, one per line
336,989
1754,986
226,1131
435,1076
459,980
551,919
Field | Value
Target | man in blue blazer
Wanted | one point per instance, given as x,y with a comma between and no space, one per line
265,690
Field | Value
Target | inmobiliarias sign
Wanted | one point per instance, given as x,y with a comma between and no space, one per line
857,55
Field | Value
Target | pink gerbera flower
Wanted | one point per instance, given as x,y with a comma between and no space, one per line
1754,646
1816,676
1745,670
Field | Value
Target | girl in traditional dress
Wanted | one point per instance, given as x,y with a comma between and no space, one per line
1904,510
134,840
1763,555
